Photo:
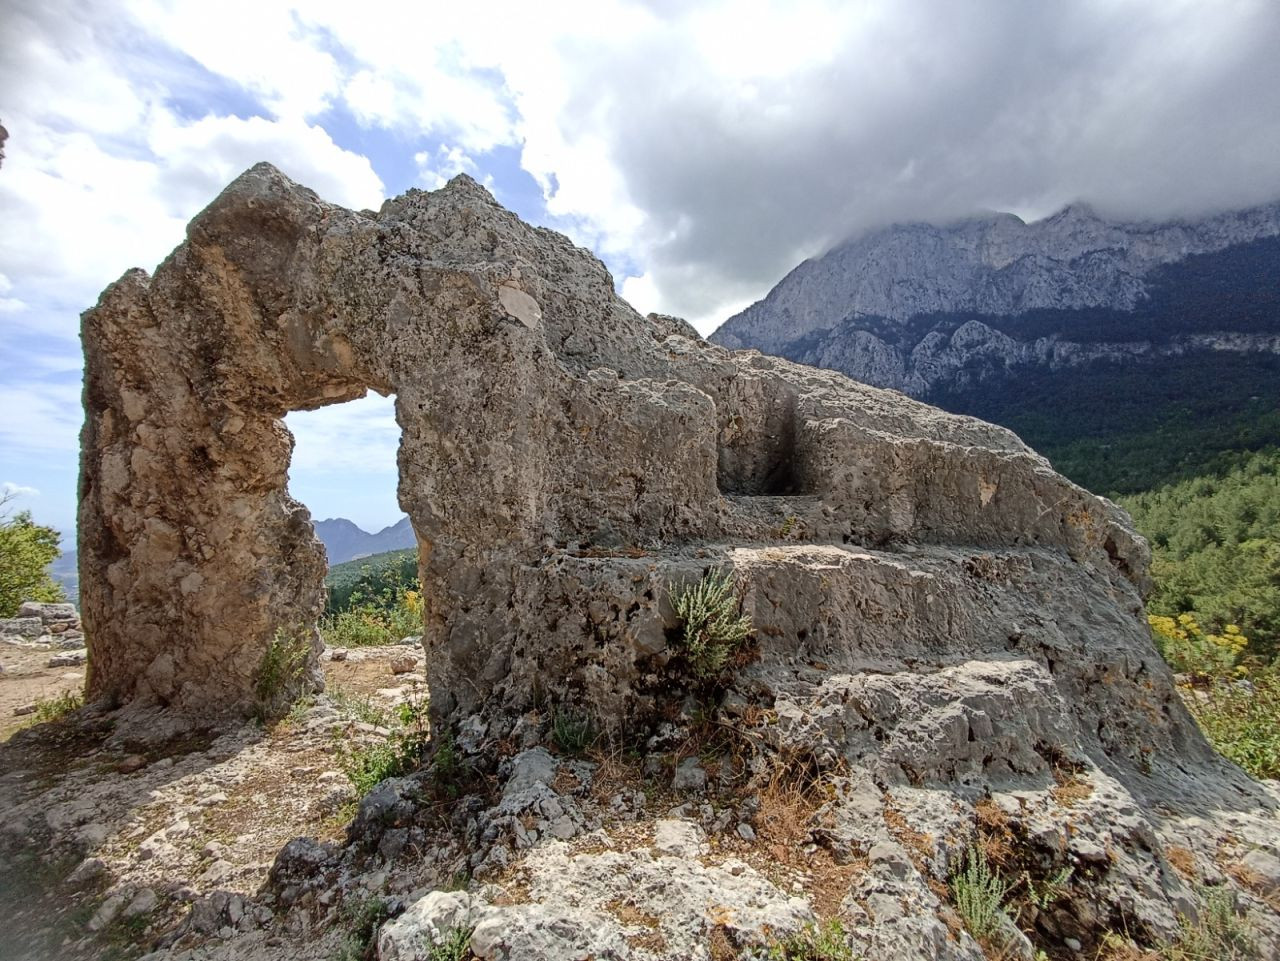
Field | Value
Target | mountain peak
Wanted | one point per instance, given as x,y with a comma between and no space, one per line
987,264
1076,210
344,540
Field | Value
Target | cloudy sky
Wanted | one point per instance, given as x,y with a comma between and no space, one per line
700,149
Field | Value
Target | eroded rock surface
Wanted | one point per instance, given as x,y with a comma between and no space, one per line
545,424
943,625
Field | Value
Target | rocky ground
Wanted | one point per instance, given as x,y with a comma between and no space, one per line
705,845
110,843
117,849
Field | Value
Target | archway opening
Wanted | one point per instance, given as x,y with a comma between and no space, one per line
344,469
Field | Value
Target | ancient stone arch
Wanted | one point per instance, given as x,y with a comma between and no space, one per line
937,614
563,460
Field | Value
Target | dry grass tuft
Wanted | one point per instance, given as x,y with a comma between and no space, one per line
616,771
1071,789
1116,947
829,882
648,939
565,781
1182,861
720,945
787,806
630,915
1251,880
995,834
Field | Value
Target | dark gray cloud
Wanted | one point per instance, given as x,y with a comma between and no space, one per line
937,110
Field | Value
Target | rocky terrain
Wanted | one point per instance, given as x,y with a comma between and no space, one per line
247,843
108,846
43,657
921,308
929,664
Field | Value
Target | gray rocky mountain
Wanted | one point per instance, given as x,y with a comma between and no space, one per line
920,308
344,541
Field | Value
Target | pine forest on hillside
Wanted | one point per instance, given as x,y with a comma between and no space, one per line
1215,543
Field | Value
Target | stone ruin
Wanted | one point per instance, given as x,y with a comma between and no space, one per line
563,460
937,613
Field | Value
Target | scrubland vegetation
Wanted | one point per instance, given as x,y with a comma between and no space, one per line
1215,610
374,600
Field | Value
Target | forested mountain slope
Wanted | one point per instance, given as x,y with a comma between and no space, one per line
1215,542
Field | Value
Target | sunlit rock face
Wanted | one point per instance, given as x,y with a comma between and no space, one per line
564,460
938,616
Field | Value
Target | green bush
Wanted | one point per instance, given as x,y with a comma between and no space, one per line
281,672
26,551
369,577
1219,934
827,942
381,606
367,766
572,733
1241,718
1190,649
979,893
362,917
360,707
455,946
713,626
57,707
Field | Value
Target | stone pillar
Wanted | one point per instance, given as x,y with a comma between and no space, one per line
193,557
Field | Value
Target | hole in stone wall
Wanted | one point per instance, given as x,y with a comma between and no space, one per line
767,470
758,453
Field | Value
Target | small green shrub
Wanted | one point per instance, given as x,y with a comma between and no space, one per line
299,709
362,917
356,628
447,767
1191,649
713,626
1218,935
53,708
572,733
827,942
382,607
367,766
281,672
455,947
360,707
979,893
1042,894
376,578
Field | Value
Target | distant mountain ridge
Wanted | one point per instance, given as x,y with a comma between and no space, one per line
344,541
988,265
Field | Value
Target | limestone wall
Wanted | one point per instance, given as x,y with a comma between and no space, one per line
549,434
